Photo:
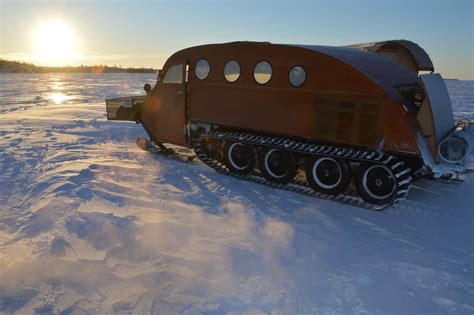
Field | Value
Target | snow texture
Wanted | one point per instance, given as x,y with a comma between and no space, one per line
89,223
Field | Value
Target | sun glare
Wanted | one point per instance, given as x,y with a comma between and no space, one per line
55,42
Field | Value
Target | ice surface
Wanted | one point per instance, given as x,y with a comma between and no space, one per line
89,223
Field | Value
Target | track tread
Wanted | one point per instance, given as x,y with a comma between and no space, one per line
349,198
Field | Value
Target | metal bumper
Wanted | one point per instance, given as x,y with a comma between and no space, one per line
453,151
124,108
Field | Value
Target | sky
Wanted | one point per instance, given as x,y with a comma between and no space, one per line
144,33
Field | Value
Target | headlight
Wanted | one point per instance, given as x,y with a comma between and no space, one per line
453,149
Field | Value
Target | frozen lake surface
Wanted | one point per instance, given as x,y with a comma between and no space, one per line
89,223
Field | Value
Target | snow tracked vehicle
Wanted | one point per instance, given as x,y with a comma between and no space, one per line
353,124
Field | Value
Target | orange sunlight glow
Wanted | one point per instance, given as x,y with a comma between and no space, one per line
55,42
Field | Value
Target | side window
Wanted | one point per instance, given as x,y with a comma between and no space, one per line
174,74
232,71
297,76
202,69
262,72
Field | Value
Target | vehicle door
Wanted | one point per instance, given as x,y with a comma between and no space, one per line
170,123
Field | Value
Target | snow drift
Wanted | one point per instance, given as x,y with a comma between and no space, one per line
89,223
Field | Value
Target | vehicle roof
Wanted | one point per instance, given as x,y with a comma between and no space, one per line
420,56
385,72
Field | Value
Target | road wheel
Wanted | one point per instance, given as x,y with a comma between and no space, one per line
239,157
328,175
376,183
277,165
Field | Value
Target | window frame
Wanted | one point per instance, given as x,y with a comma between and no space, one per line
305,76
271,74
240,71
159,75
208,73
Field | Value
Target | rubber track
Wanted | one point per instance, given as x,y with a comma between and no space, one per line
400,171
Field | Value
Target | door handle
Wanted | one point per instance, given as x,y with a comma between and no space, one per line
180,92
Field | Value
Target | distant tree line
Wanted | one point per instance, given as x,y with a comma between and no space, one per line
7,66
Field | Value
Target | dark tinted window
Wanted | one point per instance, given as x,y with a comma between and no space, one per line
297,76
202,69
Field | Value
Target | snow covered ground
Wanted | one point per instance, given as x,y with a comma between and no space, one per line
89,223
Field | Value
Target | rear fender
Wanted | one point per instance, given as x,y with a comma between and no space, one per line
436,114
444,144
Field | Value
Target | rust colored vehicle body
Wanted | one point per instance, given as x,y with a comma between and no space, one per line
361,97
333,88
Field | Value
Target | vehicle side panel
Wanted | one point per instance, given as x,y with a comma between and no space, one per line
355,106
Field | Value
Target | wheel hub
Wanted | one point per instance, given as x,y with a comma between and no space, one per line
379,182
278,163
239,155
327,173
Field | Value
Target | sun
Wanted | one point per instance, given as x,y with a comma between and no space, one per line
55,42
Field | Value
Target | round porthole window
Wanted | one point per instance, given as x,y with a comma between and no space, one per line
262,72
297,76
202,68
232,71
